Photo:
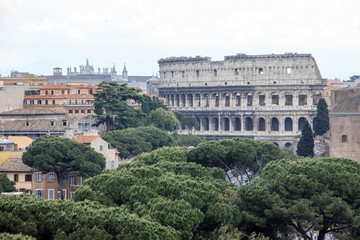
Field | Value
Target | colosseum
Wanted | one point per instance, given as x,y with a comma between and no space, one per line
263,97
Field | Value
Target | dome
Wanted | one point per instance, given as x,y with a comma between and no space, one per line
348,104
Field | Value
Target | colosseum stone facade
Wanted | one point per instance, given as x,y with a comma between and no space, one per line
263,97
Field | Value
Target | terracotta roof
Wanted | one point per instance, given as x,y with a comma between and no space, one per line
15,165
36,125
60,96
22,112
54,87
85,139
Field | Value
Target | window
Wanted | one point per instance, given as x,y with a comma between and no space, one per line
275,99
51,194
70,101
46,102
76,111
302,99
39,102
343,138
52,92
112,164
64,193
27,124
83,179
262,100
288,100
31,102
28,178
38,177
64,123
237,71
101,148
62,91
70,111
227,100
51,177
83,111
39,193
261,71
172,73
72,194
89,111
73,180
215,72
197,73
16,177
79,91
54,102
46,92
288,70
183,73
52,123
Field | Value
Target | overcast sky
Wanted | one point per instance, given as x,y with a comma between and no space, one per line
38,35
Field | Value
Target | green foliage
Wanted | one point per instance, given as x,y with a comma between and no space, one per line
305,147
63,156
112,109
188,122
163,119
163,187
302,194
321,122
149,104
44,219
8,236
5,184
245,155
187,140
133,141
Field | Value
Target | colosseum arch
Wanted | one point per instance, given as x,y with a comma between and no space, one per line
301,123
249,98
249,125
177,100
262,99
190,99
274,124
183,100
261,125
215,123
288,124
237,123
206,100
227,99
302,99
288,99
237,97
216,98
199,126
225,124
275,98
205,124
172,101
197,100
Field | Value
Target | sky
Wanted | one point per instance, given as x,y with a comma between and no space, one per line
38,35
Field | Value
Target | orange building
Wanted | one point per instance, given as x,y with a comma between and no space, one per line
75,100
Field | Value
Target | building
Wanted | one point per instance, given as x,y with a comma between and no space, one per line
12,97
262,97
101,146
344,126
37,122
74,100
17,171
22,78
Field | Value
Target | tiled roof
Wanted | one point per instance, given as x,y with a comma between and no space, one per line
85,139
56,87
15,165
60,96
36,125
22,112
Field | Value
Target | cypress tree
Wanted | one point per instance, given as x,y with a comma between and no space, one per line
321,122
306,144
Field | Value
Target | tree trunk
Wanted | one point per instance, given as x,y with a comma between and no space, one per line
60,183
321,234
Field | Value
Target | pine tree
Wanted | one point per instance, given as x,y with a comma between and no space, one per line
321,122
306,144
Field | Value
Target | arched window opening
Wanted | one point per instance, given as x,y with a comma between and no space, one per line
262,99
198,127
288,124
190,100
227,100
226,123
343,138
198,100
301,123
302,100
237,124
249,99
183,100
288,100
238,99
177,100
274,124
215,124
205,124
249,124
275,99
261,124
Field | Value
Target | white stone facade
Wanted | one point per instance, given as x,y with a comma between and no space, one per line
263,97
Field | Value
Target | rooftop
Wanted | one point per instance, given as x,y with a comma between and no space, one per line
348,104
15,165
85,139
21,112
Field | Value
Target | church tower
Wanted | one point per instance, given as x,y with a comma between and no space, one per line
124,73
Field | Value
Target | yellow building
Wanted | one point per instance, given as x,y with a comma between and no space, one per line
21,142
17,171
18,78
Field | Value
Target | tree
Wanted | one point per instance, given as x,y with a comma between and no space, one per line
112,106
188,122
303,195
133,141
305,146
149,104
63,157
242,156
5,184
163,119
321,122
